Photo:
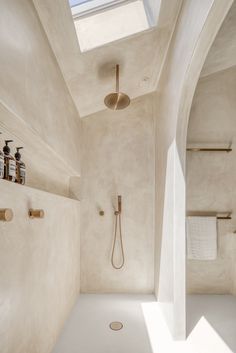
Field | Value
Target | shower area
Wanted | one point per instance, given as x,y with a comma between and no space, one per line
117,233
92,247
211,195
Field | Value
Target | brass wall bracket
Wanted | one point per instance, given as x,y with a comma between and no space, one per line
36,213
6,214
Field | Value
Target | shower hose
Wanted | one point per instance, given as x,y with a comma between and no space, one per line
118,222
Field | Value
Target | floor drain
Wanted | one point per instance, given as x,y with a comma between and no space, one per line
116,325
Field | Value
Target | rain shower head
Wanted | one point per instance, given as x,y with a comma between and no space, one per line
117,100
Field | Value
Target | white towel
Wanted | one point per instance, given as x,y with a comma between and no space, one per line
202,238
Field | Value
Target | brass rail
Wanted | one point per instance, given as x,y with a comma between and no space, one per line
200,149
218,215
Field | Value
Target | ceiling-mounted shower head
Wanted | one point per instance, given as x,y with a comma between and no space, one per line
117,100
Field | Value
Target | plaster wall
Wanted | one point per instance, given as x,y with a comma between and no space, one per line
222,54
34,93
118,158
211,178
39,268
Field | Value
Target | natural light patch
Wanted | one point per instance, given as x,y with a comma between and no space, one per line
111,24
203,337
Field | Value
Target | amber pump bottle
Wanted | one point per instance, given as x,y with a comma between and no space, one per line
9,163
20,167
1,164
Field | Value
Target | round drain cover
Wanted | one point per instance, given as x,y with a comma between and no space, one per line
116,325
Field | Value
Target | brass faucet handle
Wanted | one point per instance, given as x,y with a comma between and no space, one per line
6,214
36,213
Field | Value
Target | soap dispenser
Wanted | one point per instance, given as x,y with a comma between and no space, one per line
20,167
1,164
9,163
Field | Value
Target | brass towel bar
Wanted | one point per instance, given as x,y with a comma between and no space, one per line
224,217
218,215
196,149
210,149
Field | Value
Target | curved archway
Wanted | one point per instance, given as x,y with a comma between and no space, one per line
210,184
197,26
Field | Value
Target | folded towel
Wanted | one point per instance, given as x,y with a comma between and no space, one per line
202,238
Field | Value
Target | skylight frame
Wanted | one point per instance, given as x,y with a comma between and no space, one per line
94,6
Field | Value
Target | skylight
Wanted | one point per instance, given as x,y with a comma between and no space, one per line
99,22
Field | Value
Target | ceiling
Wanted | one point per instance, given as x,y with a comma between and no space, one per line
90,76
222,54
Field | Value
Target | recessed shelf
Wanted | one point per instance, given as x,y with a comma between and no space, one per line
10,186
46,169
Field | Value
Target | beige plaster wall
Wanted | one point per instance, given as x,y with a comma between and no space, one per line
39,268
118,158
34,93
211,177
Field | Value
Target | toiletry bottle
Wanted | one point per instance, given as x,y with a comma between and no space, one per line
9,163
1,164
20,167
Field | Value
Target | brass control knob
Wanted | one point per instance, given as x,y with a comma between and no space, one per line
36,213
6,214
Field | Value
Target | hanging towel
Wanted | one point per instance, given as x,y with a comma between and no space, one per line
202,238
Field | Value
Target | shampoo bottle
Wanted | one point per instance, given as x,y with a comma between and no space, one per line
9,163
20,167
1,164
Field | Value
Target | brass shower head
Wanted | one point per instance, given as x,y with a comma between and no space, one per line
117,100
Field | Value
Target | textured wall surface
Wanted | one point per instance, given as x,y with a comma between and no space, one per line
211,177
35,94
39,268
118,159
222,54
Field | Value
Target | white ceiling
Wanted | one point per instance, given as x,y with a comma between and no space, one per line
90,75
222,54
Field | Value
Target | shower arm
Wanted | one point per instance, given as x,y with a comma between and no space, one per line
117,79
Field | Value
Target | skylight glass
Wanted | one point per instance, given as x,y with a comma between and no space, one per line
83,7
77,2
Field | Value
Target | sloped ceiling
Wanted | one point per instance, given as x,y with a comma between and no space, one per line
90,75
222,54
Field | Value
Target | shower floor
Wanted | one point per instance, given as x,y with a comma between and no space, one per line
219,311
87,330
211,326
